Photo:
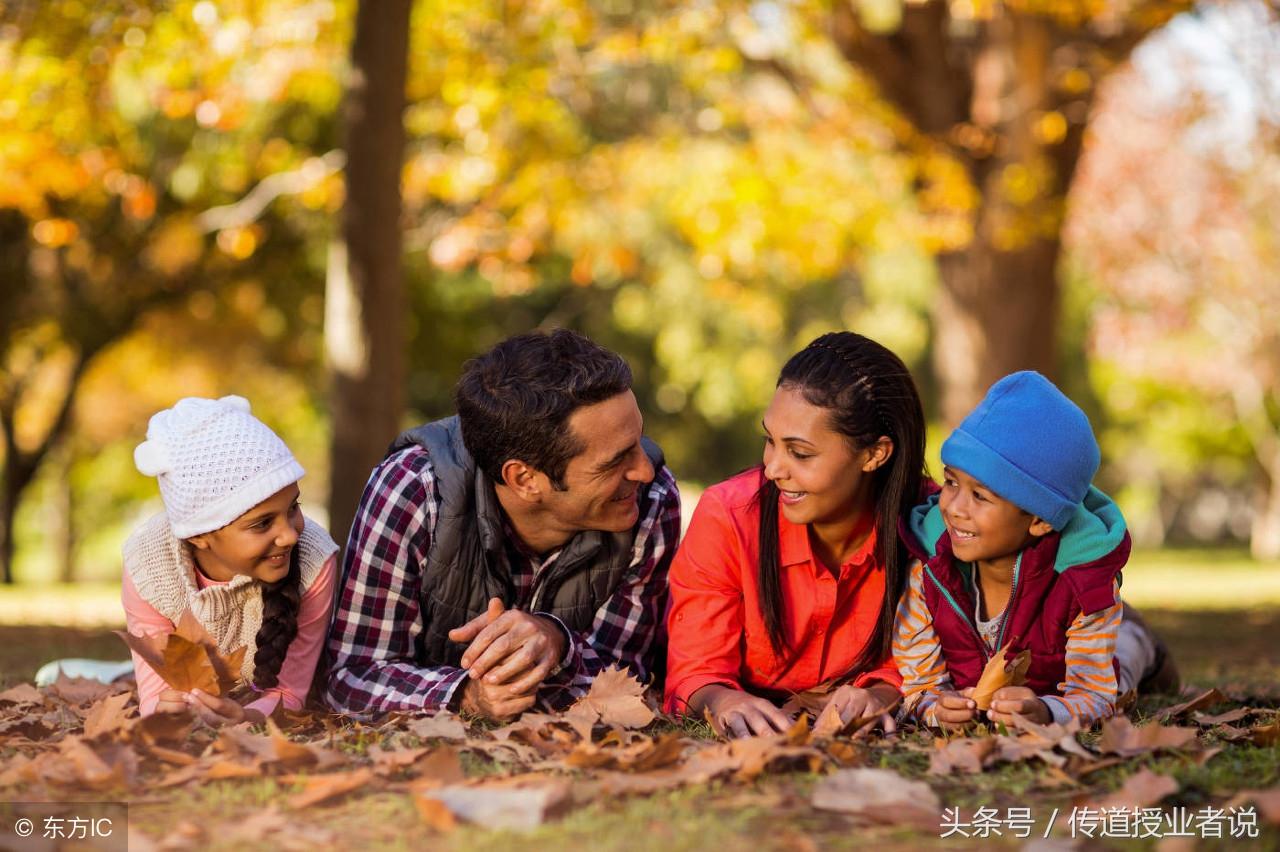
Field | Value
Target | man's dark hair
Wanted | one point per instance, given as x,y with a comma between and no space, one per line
514,401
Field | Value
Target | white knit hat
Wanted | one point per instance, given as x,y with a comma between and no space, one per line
214,461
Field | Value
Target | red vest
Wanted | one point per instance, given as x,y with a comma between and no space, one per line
1041,607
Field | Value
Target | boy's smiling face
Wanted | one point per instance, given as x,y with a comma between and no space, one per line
984,527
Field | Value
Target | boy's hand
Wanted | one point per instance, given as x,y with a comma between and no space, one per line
954,710
1018,699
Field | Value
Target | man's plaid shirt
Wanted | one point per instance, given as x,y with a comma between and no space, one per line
373,664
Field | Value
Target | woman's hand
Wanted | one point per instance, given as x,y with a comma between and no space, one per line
215,711
1018,699
735,713
954,710
853,702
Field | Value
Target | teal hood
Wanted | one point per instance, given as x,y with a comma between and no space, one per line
1095,530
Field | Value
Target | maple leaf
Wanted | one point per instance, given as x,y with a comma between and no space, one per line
226,667
880,795
188,658
444,725
1119,736
108,716
615,698
1222,718
23,693
999,673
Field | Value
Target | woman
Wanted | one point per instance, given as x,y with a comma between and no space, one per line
790,573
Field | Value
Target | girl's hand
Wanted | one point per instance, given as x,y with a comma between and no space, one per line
215,711
735,713
172,701
954,710
854,702
1018,699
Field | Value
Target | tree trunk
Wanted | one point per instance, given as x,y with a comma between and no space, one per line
1264,535
365,303
996,312
64,517
18,472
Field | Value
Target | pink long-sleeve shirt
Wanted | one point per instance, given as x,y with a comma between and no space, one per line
141,618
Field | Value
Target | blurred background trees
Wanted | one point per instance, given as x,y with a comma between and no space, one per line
202,198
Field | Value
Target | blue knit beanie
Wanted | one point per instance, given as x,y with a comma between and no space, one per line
1029,444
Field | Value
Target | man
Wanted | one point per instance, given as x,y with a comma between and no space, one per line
503,557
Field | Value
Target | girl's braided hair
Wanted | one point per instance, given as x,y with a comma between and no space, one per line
868,393
280,603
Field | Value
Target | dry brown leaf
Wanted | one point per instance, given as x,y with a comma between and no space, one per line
642,756
1143,789
165,727
187,666
388,762
23,693
1267,801
968,754
1265,735
879,795
82,690
438,768
226,667
435,813
615,698
444,725
1208,698
999,673
1222,718
520,809
1119,736
108,716
322,788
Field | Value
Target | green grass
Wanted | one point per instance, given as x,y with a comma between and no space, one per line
1219,612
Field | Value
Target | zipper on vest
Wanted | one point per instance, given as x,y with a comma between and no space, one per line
959,611
1013,598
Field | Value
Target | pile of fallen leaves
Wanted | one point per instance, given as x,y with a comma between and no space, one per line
80,738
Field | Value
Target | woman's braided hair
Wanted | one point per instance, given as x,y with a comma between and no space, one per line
280,602
869,394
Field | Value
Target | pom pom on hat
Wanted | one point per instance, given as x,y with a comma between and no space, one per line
214,461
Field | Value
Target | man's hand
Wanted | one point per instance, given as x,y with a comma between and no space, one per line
955,709
215,711
735,713
854,702
1018,699
510,648
496,702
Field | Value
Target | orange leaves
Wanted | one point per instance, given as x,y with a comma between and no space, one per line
188,658
1000,673
615,698
1119,736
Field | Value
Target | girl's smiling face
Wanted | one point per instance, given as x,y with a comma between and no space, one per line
257,544
823,480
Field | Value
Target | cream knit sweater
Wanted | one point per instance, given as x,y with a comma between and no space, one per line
163,571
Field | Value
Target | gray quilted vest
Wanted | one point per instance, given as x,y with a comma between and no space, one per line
466,563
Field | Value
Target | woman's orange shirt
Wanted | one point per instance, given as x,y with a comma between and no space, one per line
716,632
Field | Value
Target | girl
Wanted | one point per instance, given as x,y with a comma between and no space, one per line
790,573
233,547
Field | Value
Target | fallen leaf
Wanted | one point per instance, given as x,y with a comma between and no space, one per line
1208,698
1268,802
521,809
1119,736
439,767
82,690
641,756
1140,790
108,716
1265,735
1222,718
968,754
23,693
435,813
322,788
615,698
444,725
999,673
879,795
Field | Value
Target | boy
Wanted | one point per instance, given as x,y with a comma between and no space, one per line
1019,550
